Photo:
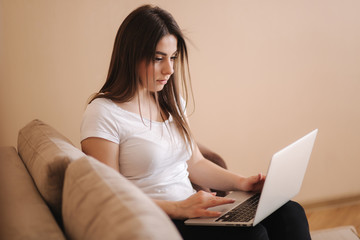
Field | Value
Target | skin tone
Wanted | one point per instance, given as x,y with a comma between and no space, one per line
201,171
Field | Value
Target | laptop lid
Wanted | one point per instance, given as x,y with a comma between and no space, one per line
285,175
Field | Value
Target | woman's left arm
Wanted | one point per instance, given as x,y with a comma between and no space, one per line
205,173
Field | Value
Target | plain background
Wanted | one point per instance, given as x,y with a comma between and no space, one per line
264,73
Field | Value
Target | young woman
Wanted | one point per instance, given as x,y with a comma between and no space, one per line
137,124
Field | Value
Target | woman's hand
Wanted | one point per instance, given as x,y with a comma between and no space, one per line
253,183
195,206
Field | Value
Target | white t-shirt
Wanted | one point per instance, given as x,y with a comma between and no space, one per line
152,154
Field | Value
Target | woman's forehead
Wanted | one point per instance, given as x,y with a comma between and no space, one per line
167,45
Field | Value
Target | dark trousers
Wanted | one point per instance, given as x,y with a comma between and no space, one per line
288,222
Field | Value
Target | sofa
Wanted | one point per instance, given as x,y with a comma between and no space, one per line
49,189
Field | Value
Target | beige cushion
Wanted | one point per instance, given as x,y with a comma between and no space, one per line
23,213
46,154
99,203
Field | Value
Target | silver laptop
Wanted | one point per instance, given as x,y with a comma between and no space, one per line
283,182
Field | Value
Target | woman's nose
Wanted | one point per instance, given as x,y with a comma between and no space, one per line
168,68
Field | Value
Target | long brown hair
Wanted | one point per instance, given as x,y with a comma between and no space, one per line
136,40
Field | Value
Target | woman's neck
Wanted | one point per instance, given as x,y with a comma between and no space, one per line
145,105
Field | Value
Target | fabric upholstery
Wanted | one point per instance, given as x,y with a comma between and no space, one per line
23,213
46,154
99,203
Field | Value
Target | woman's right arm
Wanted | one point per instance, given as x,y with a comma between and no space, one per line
196,205
103,150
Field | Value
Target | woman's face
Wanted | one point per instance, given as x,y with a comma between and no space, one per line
158,73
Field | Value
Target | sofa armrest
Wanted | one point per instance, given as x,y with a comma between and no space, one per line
23,212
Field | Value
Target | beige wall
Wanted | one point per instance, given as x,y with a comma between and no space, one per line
264,74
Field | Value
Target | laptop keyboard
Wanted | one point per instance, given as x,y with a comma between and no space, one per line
244,212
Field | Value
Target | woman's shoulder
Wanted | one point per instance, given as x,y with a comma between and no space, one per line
99,108
101,102
101,105
99,121
104,108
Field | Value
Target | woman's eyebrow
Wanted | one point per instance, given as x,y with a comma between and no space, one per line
164,54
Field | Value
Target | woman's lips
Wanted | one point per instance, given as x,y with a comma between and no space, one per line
162,81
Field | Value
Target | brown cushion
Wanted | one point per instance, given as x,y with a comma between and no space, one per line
99,203
23,213
46,154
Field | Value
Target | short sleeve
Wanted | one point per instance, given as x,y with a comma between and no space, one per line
98,121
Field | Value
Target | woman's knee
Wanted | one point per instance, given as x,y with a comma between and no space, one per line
290,213
294,210
288,222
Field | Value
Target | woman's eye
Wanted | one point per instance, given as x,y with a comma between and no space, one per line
159,59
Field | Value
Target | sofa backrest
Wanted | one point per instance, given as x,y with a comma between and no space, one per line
46,154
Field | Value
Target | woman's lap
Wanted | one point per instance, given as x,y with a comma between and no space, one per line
215,232
288,222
